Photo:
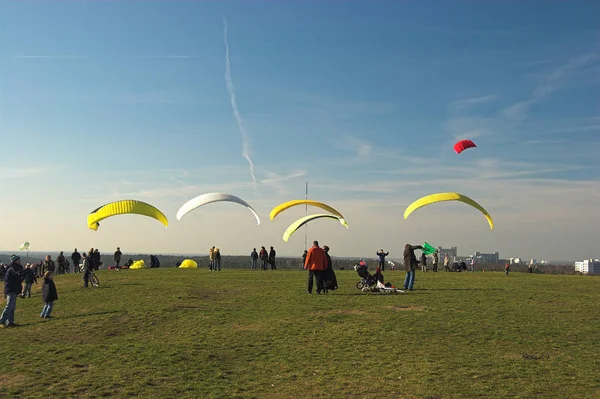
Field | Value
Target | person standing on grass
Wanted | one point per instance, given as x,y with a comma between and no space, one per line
264,257
211,256
329,278
12,289
435,262
381,255
254,257
410,264
49,295
117,257
76,257
447,263
272,255
423,262
29,278
316,263
87,268
217,259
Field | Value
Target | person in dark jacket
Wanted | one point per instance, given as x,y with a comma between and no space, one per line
117,257
328,277
304,258
49,295
272,255
49,265
76,257
423,262
12,289
28,278
264,257
381,255
61,261
254,257
154,262
410,264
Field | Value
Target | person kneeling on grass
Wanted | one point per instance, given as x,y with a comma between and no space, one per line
49,295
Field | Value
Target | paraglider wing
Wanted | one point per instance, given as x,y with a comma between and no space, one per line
303,220
213,197
124,207
463,145
440,197
24,246
188,264
282,207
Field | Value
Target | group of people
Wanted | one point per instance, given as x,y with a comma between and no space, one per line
320,268
266,258
214,259
14,278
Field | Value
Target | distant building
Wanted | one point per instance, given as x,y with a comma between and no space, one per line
514,261
588,266
452,253
487,258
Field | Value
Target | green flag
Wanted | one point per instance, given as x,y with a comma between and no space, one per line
428,249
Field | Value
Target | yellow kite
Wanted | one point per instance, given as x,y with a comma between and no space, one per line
282,207
440,197
124,207
303,220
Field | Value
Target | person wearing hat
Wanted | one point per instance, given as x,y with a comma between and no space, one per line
12,289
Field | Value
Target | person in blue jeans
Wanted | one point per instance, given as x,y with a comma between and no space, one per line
49,295
12,288
410,264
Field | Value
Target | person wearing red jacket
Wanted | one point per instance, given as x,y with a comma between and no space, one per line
315,263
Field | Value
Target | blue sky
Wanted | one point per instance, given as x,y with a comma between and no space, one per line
101,101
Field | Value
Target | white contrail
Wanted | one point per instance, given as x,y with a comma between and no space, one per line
236,112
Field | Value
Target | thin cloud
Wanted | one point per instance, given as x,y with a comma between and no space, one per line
550,84
234,106
24,173
470,102
278,181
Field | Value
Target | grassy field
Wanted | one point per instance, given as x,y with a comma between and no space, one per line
171,333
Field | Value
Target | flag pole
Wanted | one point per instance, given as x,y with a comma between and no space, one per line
306,213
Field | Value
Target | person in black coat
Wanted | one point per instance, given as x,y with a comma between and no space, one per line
329,278
29,278
49,295
12,288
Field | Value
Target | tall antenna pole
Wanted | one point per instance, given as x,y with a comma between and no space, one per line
306,213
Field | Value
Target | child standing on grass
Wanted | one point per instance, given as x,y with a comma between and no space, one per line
49,295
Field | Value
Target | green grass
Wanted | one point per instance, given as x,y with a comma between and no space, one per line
170,333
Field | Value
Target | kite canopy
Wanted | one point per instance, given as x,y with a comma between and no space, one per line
440,197
188,264
210,198
428,249
138,264
282,207
463,145
25,246
303,220
124,207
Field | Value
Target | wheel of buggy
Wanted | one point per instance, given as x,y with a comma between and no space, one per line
94,280
359,285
